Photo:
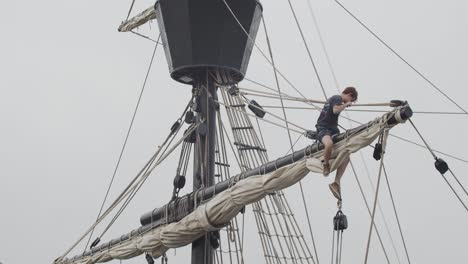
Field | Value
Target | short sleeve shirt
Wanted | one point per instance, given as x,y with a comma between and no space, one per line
327,118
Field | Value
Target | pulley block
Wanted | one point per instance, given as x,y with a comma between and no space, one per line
377,151
340,222
256,109
441,165
179,181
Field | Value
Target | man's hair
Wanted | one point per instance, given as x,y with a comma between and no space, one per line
351,91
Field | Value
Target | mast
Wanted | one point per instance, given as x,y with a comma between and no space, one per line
204,158
206,45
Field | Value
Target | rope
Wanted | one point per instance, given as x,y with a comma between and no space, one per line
459,183
277,82
434,150
284,233
396,214
126,139
123,194
366,110
146,37
289,135
369,211
146,175
130,10
422,138
297,99
401,58
246,100
265,120
387,229
454,176
384,144
308,50
322,43
260,50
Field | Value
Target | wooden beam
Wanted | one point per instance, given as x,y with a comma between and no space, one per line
138,20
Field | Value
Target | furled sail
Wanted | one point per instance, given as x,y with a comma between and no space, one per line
215,213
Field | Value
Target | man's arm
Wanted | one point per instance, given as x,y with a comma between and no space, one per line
340,107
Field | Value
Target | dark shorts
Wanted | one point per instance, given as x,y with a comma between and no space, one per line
322,131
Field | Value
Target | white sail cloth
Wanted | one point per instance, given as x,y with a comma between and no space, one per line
217,212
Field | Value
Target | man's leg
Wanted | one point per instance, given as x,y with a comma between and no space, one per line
340,171
328,143
335,187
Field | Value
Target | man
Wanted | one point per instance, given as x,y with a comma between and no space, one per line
327,126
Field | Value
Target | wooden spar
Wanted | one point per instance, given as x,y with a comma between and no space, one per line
138,20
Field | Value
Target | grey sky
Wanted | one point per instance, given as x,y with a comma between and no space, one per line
70,82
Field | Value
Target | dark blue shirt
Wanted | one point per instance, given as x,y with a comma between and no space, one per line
327,118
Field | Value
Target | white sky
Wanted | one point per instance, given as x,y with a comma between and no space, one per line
70,82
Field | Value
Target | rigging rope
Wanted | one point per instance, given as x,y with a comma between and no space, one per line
401,58
322,43
285,232
260,50
289,135
308,50
265,120
369,211
337,87
146,37
297,99
396,214
126,139
130,10
384,145
387,229
127,190
395,136
365,110
442,174
148,171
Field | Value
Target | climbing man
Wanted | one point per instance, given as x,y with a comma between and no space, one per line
327,126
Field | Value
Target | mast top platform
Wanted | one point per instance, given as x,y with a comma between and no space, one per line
204,35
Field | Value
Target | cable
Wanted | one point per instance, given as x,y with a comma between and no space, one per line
367,110
126,139
360,123
289,135
384,143
307,48
148,171
401,58
258,48
146,37
396,214
130,10
322,43
369,211
435,157
268,121
125,192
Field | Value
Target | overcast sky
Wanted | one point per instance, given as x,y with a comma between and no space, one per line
70,83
